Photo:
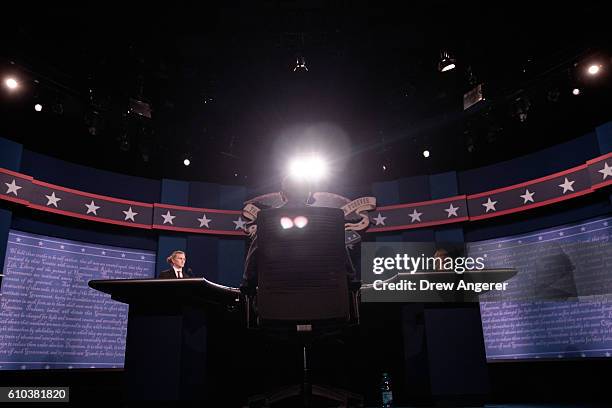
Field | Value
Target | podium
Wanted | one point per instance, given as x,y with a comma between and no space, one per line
442,338
169,324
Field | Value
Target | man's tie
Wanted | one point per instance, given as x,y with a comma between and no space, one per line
180,274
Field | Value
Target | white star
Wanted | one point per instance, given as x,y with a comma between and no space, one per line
415,216
18,239
62,247
451,211
92,208
204,221
608,354
123,255
12,187
82,249
606,171
168,217
129,214
380,220
40,243
539,238
567,186
103,252
528,196
52,199
490,205
239,223
582,229
142,257
561,234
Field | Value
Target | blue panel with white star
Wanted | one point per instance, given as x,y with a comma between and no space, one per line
198,220
535,193
14,186
600,171
60,200
418,215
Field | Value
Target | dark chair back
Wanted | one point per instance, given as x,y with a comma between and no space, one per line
302,272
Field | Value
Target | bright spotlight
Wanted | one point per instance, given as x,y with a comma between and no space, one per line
38,107
297,168
286,222
576,91
317,168
11,83
307,168
186,162
448,67
425,153
300,221
447,62
593,69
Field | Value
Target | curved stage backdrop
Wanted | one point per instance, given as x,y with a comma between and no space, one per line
51,319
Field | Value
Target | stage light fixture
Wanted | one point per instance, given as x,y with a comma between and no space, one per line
447,63
470,145
11,83
300,64
38,107
425,153
186,162
317,168
522,105
594,69
553,95
300,221
576,91
286,222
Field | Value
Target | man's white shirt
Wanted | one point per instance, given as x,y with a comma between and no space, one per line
177,272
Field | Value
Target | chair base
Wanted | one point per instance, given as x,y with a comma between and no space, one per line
345,399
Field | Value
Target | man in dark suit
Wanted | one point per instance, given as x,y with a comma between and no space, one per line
177,262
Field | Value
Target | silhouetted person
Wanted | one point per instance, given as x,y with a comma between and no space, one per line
295,193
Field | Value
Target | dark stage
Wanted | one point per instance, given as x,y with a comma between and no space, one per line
307,203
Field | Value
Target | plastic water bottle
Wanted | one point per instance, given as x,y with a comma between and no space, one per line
385,391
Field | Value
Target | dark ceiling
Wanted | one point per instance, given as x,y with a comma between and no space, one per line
222,89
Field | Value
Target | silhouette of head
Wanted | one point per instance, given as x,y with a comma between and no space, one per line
295,192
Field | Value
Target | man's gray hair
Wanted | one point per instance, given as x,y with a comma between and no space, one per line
172,255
